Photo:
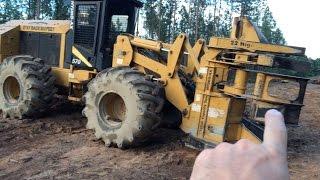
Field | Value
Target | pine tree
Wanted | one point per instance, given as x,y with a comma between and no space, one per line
270,30
9,11
37,9
31,6
161,19
277,37
225,25
151,19
165,15
197,21
165,19
268,24
245,7
61,10
183,25
46,9
219,20
171,18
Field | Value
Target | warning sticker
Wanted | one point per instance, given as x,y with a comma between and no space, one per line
215,113
198,97
196,107
119,61
71,76
203,70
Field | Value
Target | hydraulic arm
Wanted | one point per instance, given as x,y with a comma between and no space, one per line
208,83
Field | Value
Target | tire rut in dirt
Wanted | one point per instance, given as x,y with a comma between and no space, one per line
26,87
128,89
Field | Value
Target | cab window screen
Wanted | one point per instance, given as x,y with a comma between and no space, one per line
119,23
85,26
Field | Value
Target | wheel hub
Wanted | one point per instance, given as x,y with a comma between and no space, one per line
11,90
112,109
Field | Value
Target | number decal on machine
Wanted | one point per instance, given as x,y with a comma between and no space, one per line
241,44
76,61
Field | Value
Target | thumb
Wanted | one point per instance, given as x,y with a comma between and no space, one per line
275,133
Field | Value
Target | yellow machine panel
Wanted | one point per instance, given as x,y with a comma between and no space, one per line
9,41
66,76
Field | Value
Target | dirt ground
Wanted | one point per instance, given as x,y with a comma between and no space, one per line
59,147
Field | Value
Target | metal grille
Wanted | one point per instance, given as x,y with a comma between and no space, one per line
85,27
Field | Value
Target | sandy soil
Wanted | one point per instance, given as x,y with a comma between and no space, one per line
59,147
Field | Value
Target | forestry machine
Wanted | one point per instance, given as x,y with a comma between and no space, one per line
131,86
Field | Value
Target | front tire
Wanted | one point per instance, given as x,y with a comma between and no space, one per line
123,107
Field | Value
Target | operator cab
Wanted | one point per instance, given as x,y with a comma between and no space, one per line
96,25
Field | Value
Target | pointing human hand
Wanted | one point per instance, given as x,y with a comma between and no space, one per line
246,160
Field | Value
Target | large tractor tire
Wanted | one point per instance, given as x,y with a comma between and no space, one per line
123,107
26,87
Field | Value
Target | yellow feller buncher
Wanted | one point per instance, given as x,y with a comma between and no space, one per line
131,86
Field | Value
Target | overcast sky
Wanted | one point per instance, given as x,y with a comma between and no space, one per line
300,23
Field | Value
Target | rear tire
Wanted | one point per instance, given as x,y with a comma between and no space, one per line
123,107
26,87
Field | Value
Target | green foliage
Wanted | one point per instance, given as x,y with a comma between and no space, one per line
165,19
315,68
246,7
184,23
270,30
27,9
197,28
152,17
9,11
161,18
46,9
31,8
61,10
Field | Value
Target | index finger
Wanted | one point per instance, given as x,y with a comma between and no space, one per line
275,133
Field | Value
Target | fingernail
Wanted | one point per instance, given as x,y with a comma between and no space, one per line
274,114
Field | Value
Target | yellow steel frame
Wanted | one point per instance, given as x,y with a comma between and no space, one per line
216,114
235,44
124,55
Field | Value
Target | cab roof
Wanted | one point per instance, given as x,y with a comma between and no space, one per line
138,3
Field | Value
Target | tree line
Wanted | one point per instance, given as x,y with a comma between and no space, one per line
34,9
164,19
